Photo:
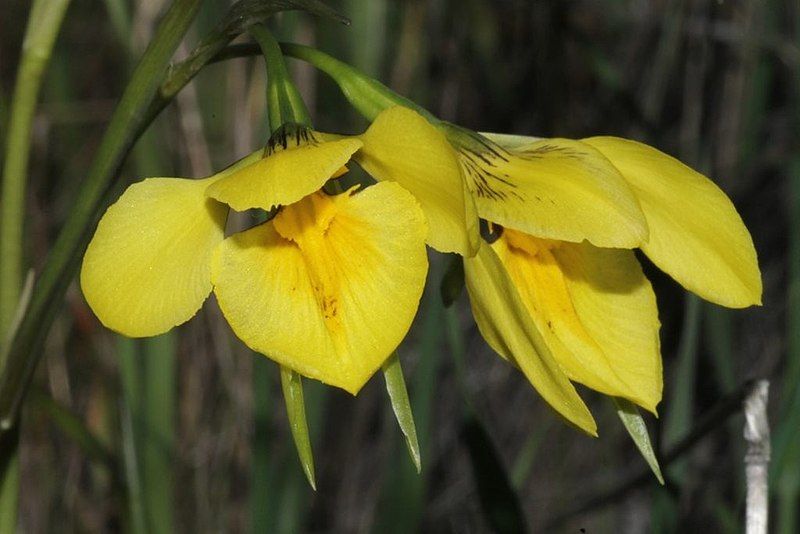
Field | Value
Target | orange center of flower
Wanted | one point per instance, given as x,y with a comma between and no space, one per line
305,222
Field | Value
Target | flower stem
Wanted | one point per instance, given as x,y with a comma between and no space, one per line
43,25
283,99
44,22
366,94
127,122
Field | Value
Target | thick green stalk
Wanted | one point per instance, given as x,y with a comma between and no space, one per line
43,25
132,393
157,450
127,122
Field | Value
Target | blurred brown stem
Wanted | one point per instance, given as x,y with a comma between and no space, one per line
713,419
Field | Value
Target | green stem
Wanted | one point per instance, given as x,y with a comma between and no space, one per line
127,123
284,102
366,94
44,23
76,430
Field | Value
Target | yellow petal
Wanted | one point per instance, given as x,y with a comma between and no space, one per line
403,147
696,236
328,288
595,309
506,325
552,188
147,267
285,175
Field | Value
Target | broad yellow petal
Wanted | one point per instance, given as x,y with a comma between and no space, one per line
595,309
328,288
552,188
696,235
617,308
147,267
403,147
506,325
295,166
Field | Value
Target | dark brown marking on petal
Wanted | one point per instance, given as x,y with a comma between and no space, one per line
486,183
289,135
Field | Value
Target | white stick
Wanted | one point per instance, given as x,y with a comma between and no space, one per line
756,459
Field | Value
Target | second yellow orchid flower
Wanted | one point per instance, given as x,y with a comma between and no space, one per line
561,214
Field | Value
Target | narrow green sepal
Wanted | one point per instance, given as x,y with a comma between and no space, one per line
453,281
292,386
634,424
398,394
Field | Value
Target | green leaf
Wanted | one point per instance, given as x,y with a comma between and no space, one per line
634,424
398,394
292,385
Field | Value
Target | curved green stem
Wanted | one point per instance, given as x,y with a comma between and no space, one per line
43,25
44,22
140,104
366,94
127,123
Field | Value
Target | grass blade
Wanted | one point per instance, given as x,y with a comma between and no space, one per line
158,425
679,411
292,385
132,392
74,428
523,464
43,25
634,424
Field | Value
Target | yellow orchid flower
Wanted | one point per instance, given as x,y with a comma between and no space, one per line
560,215
328,287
